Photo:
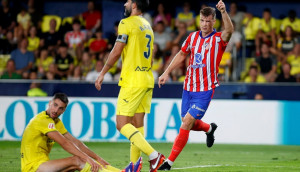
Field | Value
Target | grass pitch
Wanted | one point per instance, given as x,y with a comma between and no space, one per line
194,157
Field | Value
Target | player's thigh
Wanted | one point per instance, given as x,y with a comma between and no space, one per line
199,103
129,100
73,162
145,105
185,103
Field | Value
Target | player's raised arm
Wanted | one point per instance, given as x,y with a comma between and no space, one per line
180,56
226,34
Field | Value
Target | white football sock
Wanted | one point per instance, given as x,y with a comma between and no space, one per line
209,130
170,162
153,155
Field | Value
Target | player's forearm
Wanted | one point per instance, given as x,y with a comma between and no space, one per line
228,26
178,59
112,59
73,149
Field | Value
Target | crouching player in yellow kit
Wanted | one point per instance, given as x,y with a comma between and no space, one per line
45,129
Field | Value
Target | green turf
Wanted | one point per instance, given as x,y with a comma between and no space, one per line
195,157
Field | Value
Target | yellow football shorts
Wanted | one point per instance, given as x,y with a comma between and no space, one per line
32,167
134,100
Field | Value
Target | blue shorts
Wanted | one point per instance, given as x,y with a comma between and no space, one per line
196,103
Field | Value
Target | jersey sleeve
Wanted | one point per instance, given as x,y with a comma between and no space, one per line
61,127
186,47
223,44
123,32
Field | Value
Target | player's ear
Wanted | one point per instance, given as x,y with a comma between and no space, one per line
134,6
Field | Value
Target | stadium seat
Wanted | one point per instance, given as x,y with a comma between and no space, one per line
3,59
46,20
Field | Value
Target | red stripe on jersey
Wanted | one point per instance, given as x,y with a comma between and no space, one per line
207,57
198,69
212,61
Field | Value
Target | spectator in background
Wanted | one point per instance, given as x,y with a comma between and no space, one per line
35,90
86,64
113,36
158,61
75,40
285,74
181,34
7,17
258,96
76,75
294,60
291,21
43,62
24,59
24,22
267,31
98,45
92,18
92,75
236,16
254,76
267,63
8,44
286,44
34,12
51,39
10,72
162,38
161,15
64,62
251,25
52,73
186,16
33,40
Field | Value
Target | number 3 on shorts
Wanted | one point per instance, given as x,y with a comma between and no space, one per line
147,54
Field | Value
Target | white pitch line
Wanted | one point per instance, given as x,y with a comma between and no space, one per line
205,166
198,166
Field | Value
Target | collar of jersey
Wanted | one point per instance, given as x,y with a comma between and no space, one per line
200,33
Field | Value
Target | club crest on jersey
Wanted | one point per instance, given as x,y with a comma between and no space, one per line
51,126
207,46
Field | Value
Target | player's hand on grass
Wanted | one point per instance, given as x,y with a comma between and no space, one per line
94,165
162,79
102,162
98,82
221,6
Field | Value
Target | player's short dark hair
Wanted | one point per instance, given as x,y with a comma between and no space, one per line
267,10
141,4
207,11
61,96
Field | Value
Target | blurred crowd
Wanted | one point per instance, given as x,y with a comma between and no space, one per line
36,46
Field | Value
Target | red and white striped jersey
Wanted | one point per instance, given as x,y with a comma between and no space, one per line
205,56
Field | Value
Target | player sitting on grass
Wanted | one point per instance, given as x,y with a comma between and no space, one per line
45,129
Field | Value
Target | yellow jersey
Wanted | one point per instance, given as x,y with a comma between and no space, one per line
268,27
187,17
295,25
137,34
35,144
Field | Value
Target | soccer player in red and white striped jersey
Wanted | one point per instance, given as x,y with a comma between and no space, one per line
206,48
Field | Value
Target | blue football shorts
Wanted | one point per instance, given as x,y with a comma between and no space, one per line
196,103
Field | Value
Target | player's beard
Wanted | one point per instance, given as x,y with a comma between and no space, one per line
127,12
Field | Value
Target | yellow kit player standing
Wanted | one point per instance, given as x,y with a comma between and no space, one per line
134,44
45,129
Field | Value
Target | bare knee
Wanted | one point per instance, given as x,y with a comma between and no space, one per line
188,122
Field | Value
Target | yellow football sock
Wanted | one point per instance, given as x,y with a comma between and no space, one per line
86,168
135,152
111,168
136,138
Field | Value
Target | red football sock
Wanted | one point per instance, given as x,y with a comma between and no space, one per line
200,126
179,143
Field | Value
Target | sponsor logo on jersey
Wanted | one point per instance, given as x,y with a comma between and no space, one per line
143,69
